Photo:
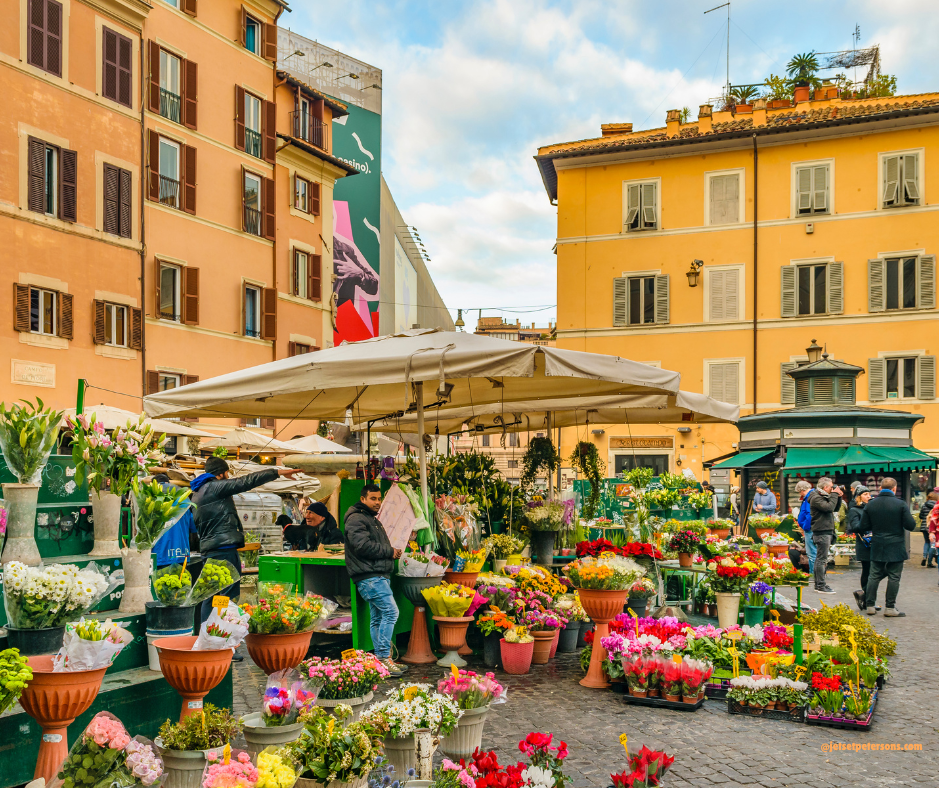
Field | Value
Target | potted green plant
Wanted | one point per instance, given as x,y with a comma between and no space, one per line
639,478
540,456
801,70
777,91
28,433
744,96
184,745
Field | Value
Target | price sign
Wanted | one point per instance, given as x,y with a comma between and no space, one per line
455,671
413,546
676,658
635,620
799,671
735,635
775,614
220,603
226,754
348,654
735,656
624,740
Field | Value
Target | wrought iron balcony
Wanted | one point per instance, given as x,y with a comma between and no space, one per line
309,129
169,192
252,221
169,105
253,143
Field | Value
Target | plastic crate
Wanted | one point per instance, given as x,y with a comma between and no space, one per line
665,704
794,715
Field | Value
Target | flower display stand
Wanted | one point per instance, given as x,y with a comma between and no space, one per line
452,633
191,673
602,607
419,651
278,652
661,703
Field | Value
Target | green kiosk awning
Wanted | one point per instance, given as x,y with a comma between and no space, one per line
858,459
821,459
742,459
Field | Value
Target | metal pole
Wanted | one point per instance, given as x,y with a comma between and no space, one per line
421,453
548,421
80,397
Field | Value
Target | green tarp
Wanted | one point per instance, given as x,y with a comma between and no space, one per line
742,459
817,459
858,459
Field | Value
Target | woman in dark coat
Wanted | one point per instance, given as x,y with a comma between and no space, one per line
862,541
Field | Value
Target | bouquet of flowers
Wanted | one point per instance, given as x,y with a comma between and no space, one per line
645,769
545,515
426,564
494,621
472,691
232,770
537,578
413,706
285,695
569,606
277,768
638,550
757,594
670,678
472,560
36,597
643,588
89,645
215,577
281,612
224,628
518,634
700,500
684,542
694,672
28,434
109,463
15,674
540,619
501,546
660,499
449,600
172,584
606,573
453,775
157,510
331,750
348,678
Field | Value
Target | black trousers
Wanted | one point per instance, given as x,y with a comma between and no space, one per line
879,570
865,573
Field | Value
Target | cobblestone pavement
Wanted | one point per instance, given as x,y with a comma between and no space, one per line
710,746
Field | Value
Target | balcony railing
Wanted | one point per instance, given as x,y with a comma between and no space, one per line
169,105
169,192
252,221
310,129
253,143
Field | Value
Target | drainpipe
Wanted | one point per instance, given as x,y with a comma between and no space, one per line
275,84
755,265
143,244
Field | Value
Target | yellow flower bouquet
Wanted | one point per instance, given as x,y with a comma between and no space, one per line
449,600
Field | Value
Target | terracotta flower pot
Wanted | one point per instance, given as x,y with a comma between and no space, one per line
684,559
761,532
720,533
278,652
689,699
672,698
191,673
419,651
467,579
516,657
778,549
452,634
543,642
638,693
601,607
54,700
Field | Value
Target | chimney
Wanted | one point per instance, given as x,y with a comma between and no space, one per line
704,118
614,129
759,112
672,122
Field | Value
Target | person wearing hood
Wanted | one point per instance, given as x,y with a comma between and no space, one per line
319,528
220,531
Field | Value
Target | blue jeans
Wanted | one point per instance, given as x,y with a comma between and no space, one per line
810,548
383,612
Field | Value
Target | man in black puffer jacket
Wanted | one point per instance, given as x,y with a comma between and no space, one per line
220,531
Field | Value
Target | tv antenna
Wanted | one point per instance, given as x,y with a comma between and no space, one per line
717,8
856,35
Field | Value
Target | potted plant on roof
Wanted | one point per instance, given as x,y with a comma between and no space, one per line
743,97
108,463
28,433
777,91
801,70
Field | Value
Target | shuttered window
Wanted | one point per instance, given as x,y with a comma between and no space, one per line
52,180
724,381
641,207
269,313
301,194
813,190
723,294
815,289
116,69
299,348
897,283
301,273
38,310
315,199
724,199
118,201
252,311
640,300
787,386
173,86
901,377
44,35
258,37
901,180
190,295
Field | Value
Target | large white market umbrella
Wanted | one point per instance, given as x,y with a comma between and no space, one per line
241,438
316,444
373,379
116,418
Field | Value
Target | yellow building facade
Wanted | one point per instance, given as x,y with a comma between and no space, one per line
814,221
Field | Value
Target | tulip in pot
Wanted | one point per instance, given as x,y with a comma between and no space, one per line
28,433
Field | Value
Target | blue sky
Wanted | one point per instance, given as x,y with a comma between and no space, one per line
472,89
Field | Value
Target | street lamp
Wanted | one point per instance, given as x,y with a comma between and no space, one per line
693,272
459,319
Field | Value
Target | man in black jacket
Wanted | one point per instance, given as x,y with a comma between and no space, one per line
220,531
886,517
824,501
369,561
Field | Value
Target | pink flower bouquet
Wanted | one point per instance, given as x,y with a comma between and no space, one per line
472,691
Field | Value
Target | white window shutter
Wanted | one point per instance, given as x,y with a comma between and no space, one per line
620,291
927,281
724,382
789,305
716,295
891,179
716,381
911,177
649,218
787,386
731,298
804,188
632,204
876,379
724,199
926,374
876,285
835,288
661,298
820,189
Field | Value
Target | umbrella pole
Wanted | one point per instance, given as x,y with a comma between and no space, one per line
549,425
421,453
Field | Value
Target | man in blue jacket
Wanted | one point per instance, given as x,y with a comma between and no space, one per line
804,519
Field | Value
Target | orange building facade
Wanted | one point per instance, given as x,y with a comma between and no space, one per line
171,215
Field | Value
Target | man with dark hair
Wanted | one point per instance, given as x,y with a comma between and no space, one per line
886,517
220,531
824,501
369,561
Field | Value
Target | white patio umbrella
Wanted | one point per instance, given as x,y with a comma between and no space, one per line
241,438
115,418
382,376
316,444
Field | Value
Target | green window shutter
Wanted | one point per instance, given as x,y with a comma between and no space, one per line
876,379
876,285
661,298
787,386
926,374
789,275
927,281
620,292
835,288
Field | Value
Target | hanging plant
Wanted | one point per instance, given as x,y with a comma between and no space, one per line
540,455
586,461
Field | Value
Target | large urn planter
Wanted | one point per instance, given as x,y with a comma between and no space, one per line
602,607
20,502
567,639
516,657
106,511
258,735
728,609
137,566
357,705
278,652
191,673
543,642
54,700
467,579
184,768
32,642
452,635
467,737
419,651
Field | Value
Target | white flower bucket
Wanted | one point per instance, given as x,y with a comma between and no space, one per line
467,736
